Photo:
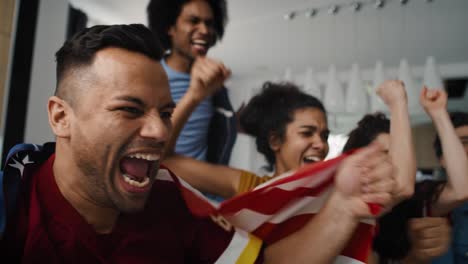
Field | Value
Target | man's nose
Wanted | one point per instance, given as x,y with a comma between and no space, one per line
155,128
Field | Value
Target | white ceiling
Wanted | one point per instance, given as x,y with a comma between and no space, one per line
259,41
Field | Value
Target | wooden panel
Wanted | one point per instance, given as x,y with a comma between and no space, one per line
4,47
423,136
6,14
6,21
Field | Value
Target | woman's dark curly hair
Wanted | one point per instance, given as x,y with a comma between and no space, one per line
162,14
369,127
269,112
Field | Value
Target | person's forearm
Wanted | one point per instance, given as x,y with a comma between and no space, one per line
321,240
402,151
206,177
182,112
455,191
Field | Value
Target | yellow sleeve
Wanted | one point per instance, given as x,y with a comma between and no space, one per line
249,181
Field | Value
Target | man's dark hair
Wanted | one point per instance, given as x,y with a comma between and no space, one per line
81,48
269,112
367,130
162,14
458,119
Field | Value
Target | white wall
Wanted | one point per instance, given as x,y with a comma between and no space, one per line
261,45
50,35
265,42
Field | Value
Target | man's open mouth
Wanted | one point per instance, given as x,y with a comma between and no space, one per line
137,169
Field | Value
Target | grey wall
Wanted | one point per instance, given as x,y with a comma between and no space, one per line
260,45
265,42
50,35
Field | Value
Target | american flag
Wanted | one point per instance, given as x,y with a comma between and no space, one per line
281,206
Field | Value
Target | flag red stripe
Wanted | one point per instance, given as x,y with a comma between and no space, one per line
311,169
273,200
271,233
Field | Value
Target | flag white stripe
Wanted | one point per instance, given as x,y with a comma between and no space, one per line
164,175
238,243
304,205
250,220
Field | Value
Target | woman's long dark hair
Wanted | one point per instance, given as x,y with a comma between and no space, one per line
269,112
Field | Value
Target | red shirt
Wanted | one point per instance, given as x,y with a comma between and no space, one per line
49,230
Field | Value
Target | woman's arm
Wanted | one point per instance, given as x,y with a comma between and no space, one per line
454,157
401,140
206,177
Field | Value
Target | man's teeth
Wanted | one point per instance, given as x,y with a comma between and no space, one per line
127,178
149,157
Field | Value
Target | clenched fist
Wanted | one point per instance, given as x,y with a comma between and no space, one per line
207,77
392,92
433,101
366,177
429,236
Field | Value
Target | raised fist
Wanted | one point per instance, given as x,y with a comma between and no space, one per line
207,77
392,92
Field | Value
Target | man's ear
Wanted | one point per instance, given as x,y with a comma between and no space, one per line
274,141
60,114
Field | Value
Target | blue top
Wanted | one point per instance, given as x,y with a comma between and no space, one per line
192,141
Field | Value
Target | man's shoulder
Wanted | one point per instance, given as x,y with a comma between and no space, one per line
28,154
17,170
22,157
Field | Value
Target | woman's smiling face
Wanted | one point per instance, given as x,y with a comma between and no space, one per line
304,140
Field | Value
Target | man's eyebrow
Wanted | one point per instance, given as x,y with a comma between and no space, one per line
140,102
131,99
464,138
